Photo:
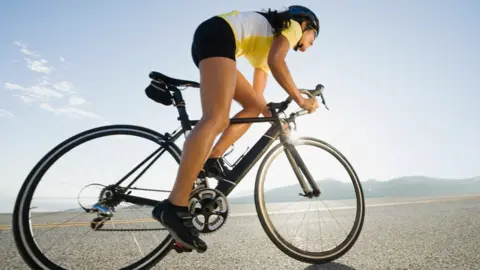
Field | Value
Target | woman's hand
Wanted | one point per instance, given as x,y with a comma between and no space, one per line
309,104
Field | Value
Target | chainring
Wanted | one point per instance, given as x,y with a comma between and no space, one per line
209,208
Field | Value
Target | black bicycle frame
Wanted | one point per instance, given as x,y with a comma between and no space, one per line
236,175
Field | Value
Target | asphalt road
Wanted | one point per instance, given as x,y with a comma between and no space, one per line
422,233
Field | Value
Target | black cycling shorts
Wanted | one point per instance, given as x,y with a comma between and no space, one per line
213,37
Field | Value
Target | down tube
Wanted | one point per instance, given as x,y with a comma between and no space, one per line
249,160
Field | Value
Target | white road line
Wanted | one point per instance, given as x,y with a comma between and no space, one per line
347,207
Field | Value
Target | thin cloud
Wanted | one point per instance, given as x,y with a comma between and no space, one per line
24,49
26,99
6,114
37,92
45,93
70,111
33,65
38,66
12,86
64,86
75,101
21,93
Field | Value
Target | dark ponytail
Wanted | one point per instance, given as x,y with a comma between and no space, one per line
278,20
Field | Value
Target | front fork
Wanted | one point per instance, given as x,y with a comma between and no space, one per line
299,167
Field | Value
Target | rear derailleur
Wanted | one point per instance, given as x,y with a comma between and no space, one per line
105,207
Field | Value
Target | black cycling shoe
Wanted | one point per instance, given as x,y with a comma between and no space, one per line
215,168
179,224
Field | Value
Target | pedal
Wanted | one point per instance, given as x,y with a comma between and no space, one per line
179,248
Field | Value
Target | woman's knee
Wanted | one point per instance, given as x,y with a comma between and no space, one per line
262,105
252,103
215,123
256,106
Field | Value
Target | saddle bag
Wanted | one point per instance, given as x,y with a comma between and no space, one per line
159,92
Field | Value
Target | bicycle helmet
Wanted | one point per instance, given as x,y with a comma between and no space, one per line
301,13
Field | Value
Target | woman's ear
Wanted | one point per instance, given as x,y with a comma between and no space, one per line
304,25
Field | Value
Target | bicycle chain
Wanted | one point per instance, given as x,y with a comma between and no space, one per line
130,230
149,189
158,229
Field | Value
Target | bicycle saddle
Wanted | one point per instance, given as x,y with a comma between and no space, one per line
154,75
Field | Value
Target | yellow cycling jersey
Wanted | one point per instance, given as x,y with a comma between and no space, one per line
254,36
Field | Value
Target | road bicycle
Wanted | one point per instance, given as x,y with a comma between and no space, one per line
167,91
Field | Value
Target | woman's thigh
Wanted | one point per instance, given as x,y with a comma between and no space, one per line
245,94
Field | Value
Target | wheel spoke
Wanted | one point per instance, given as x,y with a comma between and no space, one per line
334,217
320,227
143,225
133,235
301,222
56,225
289,217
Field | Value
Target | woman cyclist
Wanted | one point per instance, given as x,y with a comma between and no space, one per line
264,39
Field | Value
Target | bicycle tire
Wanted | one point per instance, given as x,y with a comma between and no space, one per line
282,244
21,229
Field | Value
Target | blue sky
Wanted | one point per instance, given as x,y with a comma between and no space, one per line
401,78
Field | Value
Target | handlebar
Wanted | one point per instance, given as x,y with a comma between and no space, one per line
318,91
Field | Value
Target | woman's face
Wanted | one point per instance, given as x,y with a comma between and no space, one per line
307,40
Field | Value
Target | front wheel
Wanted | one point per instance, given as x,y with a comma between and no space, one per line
334,194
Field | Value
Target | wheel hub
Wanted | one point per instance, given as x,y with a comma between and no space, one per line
107,196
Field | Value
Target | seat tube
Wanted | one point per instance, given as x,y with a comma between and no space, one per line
182,112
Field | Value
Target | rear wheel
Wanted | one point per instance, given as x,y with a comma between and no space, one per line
69,257
279,197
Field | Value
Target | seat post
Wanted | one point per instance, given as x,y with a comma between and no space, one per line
182,111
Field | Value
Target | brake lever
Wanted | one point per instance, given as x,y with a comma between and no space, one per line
311,93
318,90
323,101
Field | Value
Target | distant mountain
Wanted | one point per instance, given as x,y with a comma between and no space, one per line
409,186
